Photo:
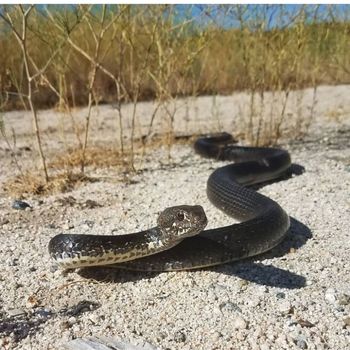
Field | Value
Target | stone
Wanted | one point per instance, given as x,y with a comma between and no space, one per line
239,323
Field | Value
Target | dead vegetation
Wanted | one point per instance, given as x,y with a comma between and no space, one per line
73,55
31,183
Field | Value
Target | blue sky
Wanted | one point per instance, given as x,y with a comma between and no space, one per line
277,15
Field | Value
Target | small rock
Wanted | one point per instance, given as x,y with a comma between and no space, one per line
240,336
280,295
4,221
20,205
13,262
301,343
339,309
72,320
229,306
64,325
265,347
330,295
346,321
285,307
51,226
305,323
89,223
239,323
16,312
82,307
162,334
344,299
68,226
217,335
53,268
44,313
180,337
90,204
94,318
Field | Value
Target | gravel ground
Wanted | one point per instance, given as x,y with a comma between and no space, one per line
295,297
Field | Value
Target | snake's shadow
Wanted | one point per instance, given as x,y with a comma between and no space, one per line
248,269
253,270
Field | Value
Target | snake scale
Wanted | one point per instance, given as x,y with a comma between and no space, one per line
179,242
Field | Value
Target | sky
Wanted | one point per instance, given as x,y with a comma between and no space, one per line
274,16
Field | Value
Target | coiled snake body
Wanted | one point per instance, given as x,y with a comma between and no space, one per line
179,242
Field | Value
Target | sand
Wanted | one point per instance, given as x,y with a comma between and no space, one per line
295,297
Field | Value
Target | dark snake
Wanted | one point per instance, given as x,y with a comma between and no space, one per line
179,241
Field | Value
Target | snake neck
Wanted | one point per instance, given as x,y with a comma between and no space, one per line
72,251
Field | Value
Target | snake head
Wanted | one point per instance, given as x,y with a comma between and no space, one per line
182,221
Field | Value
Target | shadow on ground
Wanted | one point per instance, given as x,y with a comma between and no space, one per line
27,323
268,275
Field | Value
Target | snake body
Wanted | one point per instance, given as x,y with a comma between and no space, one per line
263,225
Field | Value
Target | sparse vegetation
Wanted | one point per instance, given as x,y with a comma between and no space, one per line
76,55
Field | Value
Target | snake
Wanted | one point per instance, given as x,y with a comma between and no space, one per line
180,240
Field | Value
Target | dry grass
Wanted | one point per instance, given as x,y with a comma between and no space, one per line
94,157
182,57
89,54
104,157
32,184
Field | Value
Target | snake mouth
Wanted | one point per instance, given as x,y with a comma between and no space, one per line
198,220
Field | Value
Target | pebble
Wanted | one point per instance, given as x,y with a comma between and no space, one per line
13,262
15,312
51,226
239,323
53,268
265,346
4,221
94,318
180,337
346,321
344,299
89,223
285,307
280,295
72,320
44,313
229,306
20,205
330,295
68,226
301,343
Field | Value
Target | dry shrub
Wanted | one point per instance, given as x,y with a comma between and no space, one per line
32,184
310,46
104,157
90,54
94,156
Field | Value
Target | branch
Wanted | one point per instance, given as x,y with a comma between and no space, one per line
10,23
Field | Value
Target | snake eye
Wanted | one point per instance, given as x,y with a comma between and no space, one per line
180,216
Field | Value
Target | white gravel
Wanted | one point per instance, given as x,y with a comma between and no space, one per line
295,297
